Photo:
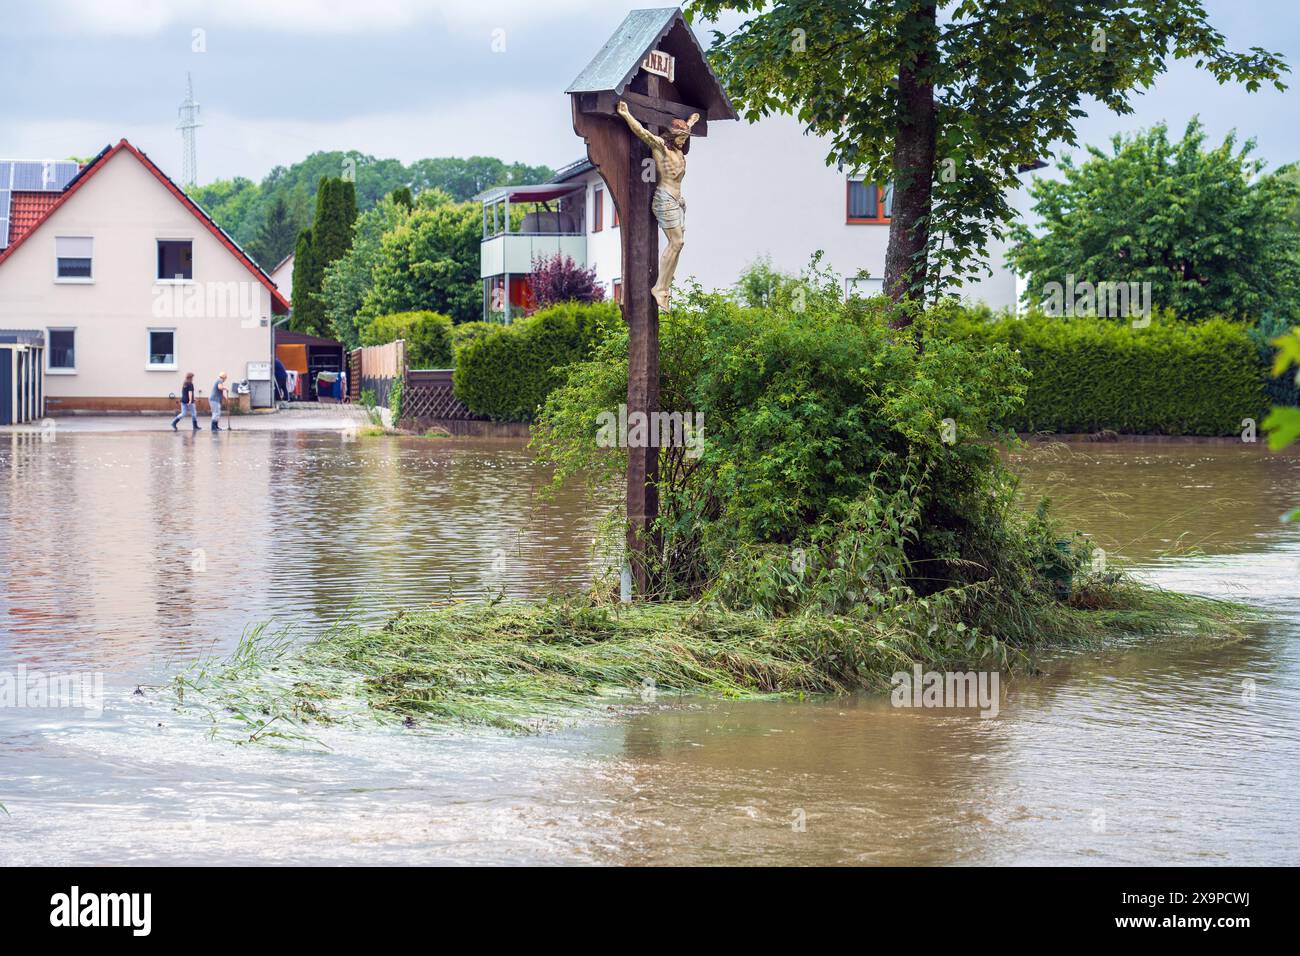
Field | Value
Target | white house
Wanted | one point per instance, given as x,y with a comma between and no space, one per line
753,190
131,281
282,276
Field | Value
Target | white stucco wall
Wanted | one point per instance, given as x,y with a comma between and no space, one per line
764,189
283,277
223,322
604,248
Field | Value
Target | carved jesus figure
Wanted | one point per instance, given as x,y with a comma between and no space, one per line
668,205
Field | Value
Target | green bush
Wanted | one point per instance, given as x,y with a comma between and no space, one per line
823,478
463,333
427,336
1090,375
507,372
1280,389
395,398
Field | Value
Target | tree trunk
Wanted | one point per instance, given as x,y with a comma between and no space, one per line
913,164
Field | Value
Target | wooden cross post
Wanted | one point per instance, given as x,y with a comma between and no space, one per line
627,167
640,241
654,64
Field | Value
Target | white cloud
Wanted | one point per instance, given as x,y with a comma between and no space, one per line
148,17
533,128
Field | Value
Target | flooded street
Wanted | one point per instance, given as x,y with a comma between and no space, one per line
132,554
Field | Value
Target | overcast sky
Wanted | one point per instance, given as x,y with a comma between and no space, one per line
279,79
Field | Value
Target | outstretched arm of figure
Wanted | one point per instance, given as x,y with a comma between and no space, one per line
639,131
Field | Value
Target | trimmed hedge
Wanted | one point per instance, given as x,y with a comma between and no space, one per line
507,373
427,336
462,333
1089,375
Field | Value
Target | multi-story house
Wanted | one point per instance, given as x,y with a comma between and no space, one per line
131,282
753,190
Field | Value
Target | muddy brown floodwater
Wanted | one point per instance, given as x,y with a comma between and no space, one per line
131,554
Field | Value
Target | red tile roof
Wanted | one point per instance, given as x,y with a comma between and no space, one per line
26,210
279,304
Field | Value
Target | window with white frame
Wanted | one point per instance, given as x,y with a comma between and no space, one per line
61,355
162,349
74,257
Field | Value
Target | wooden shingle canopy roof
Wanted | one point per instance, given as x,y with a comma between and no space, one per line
662,28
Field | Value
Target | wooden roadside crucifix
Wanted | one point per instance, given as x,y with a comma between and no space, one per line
651,77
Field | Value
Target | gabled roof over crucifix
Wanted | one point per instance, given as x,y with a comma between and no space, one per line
643,31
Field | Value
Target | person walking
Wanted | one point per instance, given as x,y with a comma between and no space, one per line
187,403
281,381
218,395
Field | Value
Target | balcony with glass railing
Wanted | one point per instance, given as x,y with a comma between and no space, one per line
522,224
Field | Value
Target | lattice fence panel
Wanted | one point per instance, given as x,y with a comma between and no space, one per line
434,401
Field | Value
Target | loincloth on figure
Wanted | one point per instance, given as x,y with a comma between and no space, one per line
670,210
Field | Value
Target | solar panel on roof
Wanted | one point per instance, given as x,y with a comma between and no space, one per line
49,175
42,175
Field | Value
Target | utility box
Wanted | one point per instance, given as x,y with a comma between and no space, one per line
260,388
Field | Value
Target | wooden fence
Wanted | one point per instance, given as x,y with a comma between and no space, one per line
380,366
428,395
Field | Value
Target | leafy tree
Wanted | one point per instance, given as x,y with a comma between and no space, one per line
404,197
558,278
374,178
348,280
463,179
951,107
1283,422
1291,173
277,236
242,206
427,336
430,262
761,285
233,204
1211,235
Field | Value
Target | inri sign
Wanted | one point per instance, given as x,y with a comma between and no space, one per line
660,64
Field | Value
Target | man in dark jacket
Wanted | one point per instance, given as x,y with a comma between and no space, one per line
188,404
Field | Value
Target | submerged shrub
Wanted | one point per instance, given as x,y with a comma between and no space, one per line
846,467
